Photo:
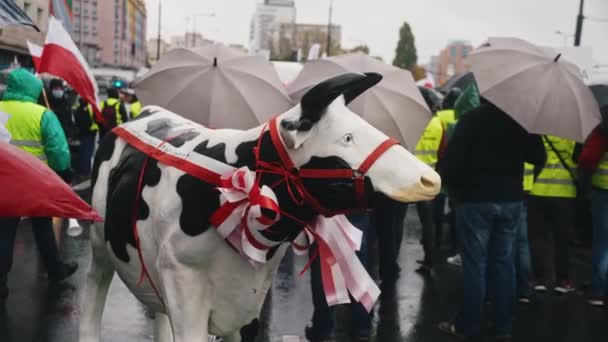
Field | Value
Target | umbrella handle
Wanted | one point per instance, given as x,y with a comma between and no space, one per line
74,228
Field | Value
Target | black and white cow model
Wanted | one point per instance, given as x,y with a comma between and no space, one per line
196,282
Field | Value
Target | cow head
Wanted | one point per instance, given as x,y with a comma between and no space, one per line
322,133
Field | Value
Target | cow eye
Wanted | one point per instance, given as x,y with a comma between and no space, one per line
348,138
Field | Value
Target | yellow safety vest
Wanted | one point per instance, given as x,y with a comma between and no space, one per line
555,180
93,127
447,116
113,103
135,109
600,177
428,146
24,125
528,177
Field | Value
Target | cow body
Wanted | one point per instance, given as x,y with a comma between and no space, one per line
196,282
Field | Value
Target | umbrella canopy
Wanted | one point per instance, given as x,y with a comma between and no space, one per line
35,190
11,13
541,91
461,81
394,106
216,86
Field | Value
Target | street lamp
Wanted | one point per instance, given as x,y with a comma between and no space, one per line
194,16
331,6
565,36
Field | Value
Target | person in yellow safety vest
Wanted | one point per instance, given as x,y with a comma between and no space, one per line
87,131
428,150
551,209
528,177
429,146
35,130
113,113
131,102
593,164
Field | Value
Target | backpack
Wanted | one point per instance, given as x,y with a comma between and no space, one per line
108,114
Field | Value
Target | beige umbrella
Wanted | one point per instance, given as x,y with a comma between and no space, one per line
534,85
394,106
216,86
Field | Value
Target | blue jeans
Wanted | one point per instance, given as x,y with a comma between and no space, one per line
487,232
87,145
599,209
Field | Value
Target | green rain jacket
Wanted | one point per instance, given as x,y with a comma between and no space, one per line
23,86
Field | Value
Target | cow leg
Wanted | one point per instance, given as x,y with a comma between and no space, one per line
188,306
162,328
97,284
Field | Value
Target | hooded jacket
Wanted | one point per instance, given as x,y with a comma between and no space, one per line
23,86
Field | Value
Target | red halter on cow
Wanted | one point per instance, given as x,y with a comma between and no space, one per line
162,181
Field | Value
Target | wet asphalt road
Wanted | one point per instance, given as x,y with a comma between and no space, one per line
34,313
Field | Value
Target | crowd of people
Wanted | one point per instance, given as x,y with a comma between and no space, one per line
57,127
514,201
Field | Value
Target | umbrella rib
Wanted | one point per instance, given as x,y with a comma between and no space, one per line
233,84
579,105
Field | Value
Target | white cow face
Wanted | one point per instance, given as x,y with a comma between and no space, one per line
322,132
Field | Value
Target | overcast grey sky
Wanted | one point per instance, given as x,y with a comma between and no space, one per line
376,22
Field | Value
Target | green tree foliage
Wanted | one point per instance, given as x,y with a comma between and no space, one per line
405,54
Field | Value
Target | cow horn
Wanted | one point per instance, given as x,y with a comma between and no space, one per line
318,98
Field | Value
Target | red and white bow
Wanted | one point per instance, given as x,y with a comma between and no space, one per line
341,270
240,218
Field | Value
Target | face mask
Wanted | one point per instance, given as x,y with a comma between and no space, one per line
58,93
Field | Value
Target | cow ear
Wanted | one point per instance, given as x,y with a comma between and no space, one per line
315,102
295,132
358,88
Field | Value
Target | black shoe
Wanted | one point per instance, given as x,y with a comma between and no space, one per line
65,271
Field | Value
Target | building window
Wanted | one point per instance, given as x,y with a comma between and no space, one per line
465,52
26,7
453,52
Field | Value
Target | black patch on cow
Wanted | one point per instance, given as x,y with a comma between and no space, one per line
199,200
250,331
121,199
334,194
217,152
104,153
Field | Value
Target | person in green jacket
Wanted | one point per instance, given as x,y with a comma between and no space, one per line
36,130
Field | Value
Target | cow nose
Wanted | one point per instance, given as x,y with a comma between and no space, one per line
431,183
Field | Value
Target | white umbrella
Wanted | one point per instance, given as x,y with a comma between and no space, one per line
534,85
216,86
395,105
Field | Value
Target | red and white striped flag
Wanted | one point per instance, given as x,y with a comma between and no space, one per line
36,53
61,58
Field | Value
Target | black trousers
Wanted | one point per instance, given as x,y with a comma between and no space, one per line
551,216
45,241
387,221
426,215
439,218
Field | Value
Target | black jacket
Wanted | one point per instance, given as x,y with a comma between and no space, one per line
485,156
